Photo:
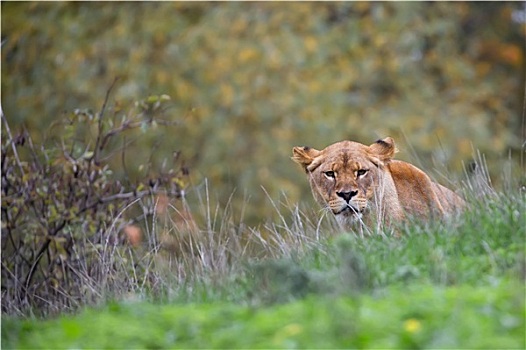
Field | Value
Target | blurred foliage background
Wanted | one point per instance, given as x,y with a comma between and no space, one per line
248,81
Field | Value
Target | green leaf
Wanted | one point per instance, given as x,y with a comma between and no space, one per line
88,155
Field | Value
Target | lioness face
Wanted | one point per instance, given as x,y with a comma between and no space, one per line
345,175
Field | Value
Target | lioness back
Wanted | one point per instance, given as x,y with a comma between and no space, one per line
418,195
362,184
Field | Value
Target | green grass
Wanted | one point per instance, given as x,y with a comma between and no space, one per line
458,284
415,316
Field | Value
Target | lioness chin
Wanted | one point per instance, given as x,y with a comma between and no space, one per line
364,184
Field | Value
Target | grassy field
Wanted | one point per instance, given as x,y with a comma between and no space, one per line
416,316
458,284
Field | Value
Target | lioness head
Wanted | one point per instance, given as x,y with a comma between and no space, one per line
344,176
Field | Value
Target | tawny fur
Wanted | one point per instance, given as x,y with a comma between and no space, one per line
363,184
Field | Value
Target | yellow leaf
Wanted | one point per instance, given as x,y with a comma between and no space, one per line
227,94
311,44
247,54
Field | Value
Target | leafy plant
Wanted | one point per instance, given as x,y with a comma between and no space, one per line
66,217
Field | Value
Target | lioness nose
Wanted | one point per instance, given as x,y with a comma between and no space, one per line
347,195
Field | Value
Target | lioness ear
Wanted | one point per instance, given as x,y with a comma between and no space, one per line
304,156
384,149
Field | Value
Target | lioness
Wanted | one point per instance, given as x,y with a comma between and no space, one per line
360,183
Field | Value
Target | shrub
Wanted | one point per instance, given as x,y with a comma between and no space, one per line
65,214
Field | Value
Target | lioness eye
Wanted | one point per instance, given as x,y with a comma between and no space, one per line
330,174
361,172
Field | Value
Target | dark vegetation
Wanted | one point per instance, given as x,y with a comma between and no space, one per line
65,215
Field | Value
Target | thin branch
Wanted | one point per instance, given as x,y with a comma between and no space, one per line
30,274
19,163
98,145
36,161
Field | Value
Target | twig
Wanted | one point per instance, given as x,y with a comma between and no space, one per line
19,163
98,145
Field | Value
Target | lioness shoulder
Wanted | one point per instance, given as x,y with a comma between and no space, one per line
358,182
